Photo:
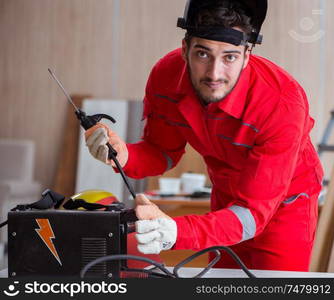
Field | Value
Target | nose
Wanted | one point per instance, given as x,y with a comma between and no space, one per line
215,70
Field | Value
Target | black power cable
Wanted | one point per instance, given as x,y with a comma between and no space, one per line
165,272
192,257
235,257
160,266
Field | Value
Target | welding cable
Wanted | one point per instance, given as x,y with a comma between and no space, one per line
160,266
3,224
120,169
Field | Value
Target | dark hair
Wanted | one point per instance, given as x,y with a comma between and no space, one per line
223,13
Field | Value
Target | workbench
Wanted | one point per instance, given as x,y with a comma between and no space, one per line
236,273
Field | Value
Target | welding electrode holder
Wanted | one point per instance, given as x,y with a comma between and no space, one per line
90,121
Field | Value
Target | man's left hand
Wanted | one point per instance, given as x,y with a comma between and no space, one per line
156,231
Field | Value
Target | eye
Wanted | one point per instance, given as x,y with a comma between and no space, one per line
230,58
202,54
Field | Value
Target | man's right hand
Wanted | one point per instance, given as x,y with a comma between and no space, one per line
97,138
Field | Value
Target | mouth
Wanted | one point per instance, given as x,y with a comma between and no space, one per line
214,85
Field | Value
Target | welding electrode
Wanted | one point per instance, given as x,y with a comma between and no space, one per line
88,122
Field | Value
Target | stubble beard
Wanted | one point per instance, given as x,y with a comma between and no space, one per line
207,99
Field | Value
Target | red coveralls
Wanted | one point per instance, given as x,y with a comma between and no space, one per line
265,173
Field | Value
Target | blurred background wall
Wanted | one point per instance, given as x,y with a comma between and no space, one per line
106,48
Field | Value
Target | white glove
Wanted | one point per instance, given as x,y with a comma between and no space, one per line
96,139
156,235
97,144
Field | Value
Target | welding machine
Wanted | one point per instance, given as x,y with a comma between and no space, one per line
83,243
56,242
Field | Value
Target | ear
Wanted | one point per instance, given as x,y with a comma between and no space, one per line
184,50
247,56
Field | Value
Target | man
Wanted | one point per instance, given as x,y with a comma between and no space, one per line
249,120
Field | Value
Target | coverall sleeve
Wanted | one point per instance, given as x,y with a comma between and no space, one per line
262,185
161,146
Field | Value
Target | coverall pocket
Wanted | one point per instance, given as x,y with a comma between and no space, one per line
293,198
294,221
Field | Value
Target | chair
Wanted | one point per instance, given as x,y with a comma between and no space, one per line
4,194
16,176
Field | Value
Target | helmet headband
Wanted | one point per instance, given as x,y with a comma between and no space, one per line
227,35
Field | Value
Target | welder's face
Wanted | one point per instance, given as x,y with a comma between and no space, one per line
214,67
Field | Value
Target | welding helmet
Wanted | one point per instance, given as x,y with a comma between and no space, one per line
93,200
255,9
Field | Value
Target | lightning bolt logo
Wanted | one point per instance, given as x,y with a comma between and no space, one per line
45,232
